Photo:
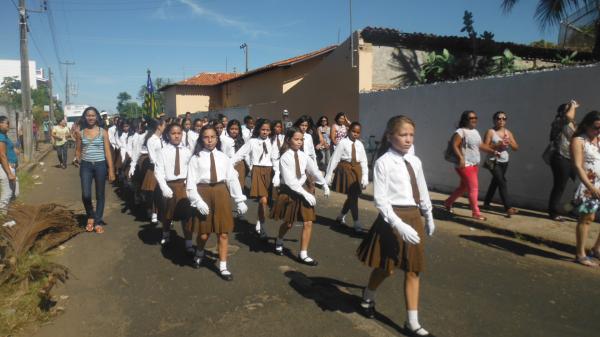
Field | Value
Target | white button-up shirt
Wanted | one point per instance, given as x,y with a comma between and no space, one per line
189,139
227,145
253,153
246,133
112,136
137,149
199,173
309,147
287,169
164,170
343,152
154,145
392,187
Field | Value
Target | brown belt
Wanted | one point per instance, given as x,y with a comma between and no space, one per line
210,184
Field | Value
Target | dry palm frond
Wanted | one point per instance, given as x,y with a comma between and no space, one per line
38,228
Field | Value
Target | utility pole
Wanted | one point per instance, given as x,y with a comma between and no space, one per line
25,85
51,95
244,46
67,88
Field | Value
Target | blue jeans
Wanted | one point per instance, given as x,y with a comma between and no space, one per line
62,154
97,171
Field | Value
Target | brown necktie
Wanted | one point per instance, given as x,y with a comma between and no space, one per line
265,151
353,160
177,168
213,169
187,139
278,142
297,160
413,183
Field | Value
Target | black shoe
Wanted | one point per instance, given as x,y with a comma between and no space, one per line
415,333
165,242
226,277
368,308
261,234
197,262
190,252
279,251
308,261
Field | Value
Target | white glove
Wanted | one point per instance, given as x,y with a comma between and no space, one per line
276,180
310,199
329,180
242,208
202,207
429,225
166,192
364,182
326,191
407,233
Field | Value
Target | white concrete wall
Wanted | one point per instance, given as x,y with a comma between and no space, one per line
530,101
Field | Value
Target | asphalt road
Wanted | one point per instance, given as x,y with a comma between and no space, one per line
476,283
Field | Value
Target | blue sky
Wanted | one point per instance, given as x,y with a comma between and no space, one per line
113,42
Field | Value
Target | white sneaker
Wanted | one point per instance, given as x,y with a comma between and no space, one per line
154,218
341,219
358,227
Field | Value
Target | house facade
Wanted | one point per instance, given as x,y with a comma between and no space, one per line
329,80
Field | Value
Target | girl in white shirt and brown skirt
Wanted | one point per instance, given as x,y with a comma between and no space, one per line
348,173
153,143
171,170
295,202
234,132
211,182
396,238
261,156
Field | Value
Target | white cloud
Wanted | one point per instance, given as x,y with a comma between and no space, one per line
222,19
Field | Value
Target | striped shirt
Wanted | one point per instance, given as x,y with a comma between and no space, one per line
93,149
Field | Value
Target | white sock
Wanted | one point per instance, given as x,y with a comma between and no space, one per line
303,254
222,265
257,227
369,295
413,321
188,244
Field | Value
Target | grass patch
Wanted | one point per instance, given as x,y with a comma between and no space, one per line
21,302
26,180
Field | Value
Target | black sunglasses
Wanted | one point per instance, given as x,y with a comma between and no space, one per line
473,118
501,118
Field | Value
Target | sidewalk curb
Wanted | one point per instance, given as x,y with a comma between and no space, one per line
440,213
29,167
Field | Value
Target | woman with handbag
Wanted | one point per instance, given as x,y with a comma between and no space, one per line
467,147
501,139
561,133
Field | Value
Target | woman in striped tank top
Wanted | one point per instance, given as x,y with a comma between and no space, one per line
93,153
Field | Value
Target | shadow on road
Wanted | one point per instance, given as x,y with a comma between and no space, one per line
513,247
333,295
337,227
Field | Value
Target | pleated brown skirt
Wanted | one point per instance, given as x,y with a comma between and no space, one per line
149,182
261,181
291,207
220,218
177,207
347,177
383,248
140,171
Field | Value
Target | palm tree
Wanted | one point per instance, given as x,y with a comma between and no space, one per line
551,12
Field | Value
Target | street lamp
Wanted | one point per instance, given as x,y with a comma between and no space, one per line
244,46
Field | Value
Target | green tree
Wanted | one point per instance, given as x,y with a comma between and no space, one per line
551,13
123,98
10,92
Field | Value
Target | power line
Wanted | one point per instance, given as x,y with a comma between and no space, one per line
14,4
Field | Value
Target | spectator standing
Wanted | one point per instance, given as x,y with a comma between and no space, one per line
9,185
325,130
561,132
585,151
339,129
